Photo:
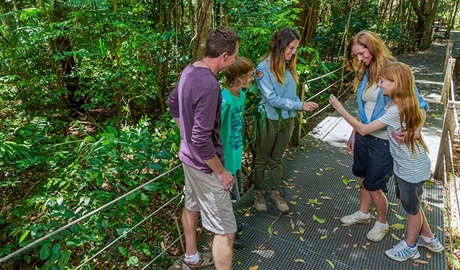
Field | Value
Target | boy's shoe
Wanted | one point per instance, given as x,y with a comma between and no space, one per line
205,260
238,242
402,252
239,226
433,244
233,197
377,232
355,218
280,203
259,200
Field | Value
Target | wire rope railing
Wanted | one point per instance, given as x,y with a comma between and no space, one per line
325,75
329,86
34,243
152,214
129,230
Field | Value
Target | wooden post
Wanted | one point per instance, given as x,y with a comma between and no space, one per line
448,54
447,79
448,130
297,133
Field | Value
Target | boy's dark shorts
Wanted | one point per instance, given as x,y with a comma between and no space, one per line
409,194
373,162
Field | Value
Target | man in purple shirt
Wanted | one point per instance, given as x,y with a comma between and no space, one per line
195,105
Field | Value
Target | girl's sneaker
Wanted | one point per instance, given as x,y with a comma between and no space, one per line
355,218
378,231
432,244
402,252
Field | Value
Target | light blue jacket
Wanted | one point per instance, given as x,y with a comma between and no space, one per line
381,102
278,100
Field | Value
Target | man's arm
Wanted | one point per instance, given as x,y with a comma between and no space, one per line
177,120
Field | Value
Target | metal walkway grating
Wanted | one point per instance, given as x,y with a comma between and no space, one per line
314,173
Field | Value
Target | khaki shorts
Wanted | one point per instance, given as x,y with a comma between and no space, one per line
205,194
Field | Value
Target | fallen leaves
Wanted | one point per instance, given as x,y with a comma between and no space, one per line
395,237
400,217
331,264
319,220
347,181
398,226
428,207
417,262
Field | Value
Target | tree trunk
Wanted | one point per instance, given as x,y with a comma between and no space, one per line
204,10
306,23
62,45
425,11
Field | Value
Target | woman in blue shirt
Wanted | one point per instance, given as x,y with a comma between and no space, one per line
277,79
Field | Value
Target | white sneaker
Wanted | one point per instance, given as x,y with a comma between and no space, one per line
377,232
355,218
433,244
402,252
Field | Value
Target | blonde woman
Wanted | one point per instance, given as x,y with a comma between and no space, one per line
372,161
411,161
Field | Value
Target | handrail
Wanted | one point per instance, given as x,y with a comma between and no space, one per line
329,86
328,105
9,256
128,231
325,75
158,256
450,117
297,133
59,230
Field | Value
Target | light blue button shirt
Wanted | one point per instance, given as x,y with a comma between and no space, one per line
381,102
278,100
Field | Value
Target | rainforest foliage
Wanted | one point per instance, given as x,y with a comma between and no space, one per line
83,85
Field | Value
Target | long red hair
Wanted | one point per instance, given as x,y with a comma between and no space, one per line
404,96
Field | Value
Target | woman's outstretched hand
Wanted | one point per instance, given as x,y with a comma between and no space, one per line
309,106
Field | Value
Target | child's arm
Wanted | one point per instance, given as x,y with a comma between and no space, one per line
401,136
358,126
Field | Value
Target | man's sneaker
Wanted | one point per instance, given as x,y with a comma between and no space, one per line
402,252
379,231
205,260
259,200
280,203
355,218
433,244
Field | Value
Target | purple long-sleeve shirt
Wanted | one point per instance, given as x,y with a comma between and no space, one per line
196,101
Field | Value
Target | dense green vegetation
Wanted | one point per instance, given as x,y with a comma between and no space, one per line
83,85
